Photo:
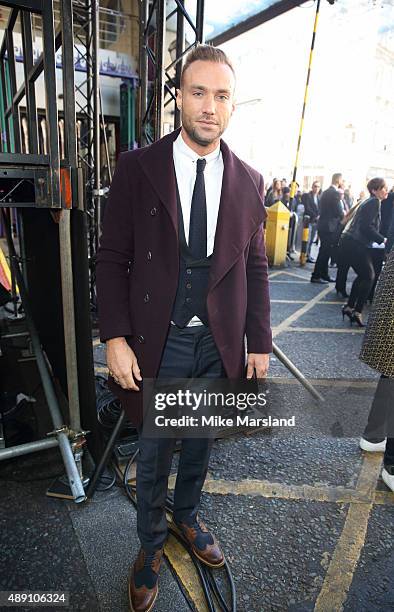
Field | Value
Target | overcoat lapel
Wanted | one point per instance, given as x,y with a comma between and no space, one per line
241,210
158,166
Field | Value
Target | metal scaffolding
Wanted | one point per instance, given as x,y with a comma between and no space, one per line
86,45
37,180
158,80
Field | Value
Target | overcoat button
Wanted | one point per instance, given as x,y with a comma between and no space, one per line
149,255
188,271
153,211
188,300
146,298
188,285
141,339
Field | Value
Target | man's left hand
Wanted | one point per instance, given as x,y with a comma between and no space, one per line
260,363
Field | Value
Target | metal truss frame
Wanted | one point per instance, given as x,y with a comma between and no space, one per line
43,170
57,184
160,93
88,105
261,17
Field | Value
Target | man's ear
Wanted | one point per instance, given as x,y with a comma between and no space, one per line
179,99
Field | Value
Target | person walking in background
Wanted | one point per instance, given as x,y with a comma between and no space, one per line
286,198
311,201
378,352
274,194
343,264
378,254
328,227
297,204
360,234
334,251
387,212
348,199
293,223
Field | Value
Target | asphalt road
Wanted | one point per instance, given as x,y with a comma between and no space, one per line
301,513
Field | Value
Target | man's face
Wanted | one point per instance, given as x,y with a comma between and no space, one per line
316,188
206,101
382,192
341,183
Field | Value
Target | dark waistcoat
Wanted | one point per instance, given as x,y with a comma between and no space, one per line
191,295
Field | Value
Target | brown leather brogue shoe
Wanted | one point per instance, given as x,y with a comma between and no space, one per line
143,581
203,543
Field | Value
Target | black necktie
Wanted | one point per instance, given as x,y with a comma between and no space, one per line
198,215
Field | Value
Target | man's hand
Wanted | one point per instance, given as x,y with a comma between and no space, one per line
122,363
260,363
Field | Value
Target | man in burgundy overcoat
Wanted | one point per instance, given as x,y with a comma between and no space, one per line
182,281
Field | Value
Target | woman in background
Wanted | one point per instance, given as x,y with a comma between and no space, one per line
274,194
343,266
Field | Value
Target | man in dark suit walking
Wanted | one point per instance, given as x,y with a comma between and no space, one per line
328,227
311,202
182,279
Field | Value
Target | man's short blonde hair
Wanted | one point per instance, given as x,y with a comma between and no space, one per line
206,53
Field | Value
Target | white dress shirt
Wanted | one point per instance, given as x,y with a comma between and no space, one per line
185,170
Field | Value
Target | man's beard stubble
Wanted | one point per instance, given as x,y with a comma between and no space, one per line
195,137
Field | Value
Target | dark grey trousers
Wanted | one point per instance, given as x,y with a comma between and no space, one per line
189,352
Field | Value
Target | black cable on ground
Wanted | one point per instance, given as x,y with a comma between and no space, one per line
197,565
216,591
206,576
107,477
108,406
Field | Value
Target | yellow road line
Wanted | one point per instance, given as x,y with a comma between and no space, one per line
298,313
333,330
291,282
289,301
304,492
344,561
183,566
329,382
340,495
384,498
301,276
335,303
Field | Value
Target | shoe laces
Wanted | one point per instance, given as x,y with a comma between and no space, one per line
198,526
149,559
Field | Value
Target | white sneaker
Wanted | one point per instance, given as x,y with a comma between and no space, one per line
373,447
388,479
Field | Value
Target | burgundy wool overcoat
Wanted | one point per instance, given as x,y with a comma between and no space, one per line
138,263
